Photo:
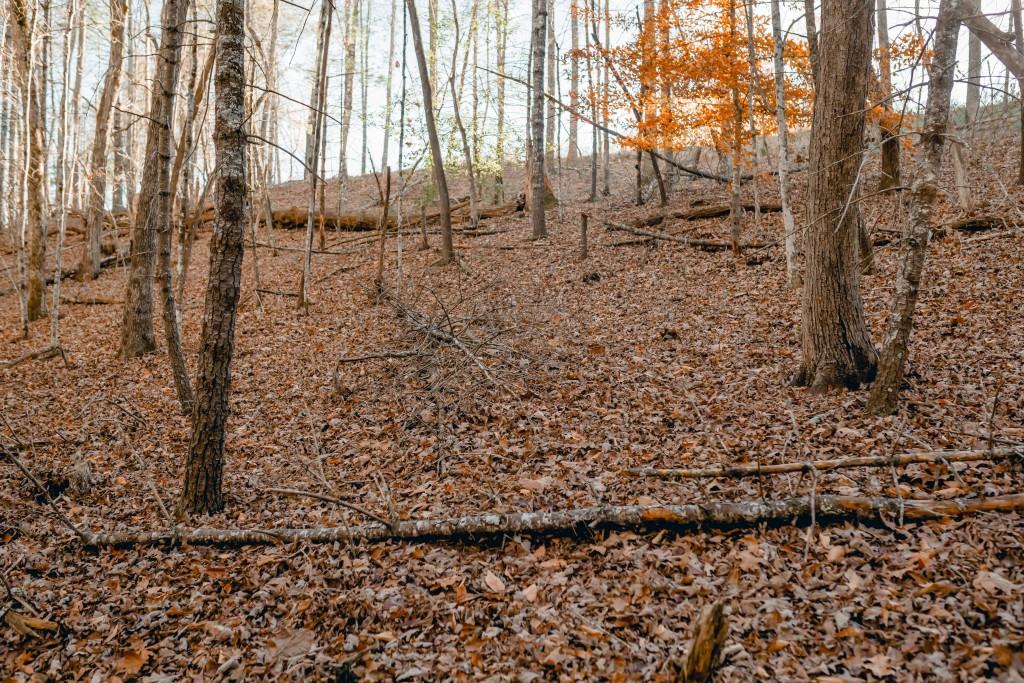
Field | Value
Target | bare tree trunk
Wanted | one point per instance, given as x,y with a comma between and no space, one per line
351,22
435,29
73,13
384,161
364,59
77,191
445,217
204,465
315,128
837,349
606,119
574,81
914,245
501,25
812,37
30,79
1018,35
973,77
737,149
593,86
788,223
89,267
474,202
890,134
748,13
185,234
540,15
154,195
551,68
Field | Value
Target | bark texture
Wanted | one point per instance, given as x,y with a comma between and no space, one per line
540,15
914,245
788,222
89,267
582,521
836,343
437,159
31,83
890,133
205,463
154,199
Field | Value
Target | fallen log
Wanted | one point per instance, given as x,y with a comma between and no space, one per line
826,508
39,354
971,224
699,212
706,245
90,300
922,457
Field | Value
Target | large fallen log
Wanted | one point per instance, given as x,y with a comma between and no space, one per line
825,508
737,471
699,212
706,245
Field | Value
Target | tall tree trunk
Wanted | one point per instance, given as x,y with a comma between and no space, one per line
474,202
836,342
204,465
447,247
351,22
154,195
973,77
1018,36
315,129
748,15
76,107
540,15
914,245
890,133
606,119
592,85
501,41
735,208
185,234
73,13
384,161
27,49
435,30
550,55
89,266
574,81
364,59
812,37
788,223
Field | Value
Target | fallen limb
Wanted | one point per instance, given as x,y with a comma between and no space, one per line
699,212
707,245
275,292
90,300
39,354
827,508
822,465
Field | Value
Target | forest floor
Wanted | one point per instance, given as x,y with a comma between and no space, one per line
646,354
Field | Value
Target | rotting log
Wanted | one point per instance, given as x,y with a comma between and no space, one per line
738,471
826,508
699,212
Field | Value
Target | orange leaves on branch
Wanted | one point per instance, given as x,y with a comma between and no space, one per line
682,68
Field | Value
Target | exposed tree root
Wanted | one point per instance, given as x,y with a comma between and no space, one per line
838,463
824,508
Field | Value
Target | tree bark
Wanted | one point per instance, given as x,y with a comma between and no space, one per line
788,223
914,245
582,521
501,27
973,104
836,342
552,117
314,147
537,217
154,195
89,266
574,81
474,201
447,246
32,84
205,462
812,37
890,134
999,42
1017,20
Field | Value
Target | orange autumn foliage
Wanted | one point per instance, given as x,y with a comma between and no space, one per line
682,69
